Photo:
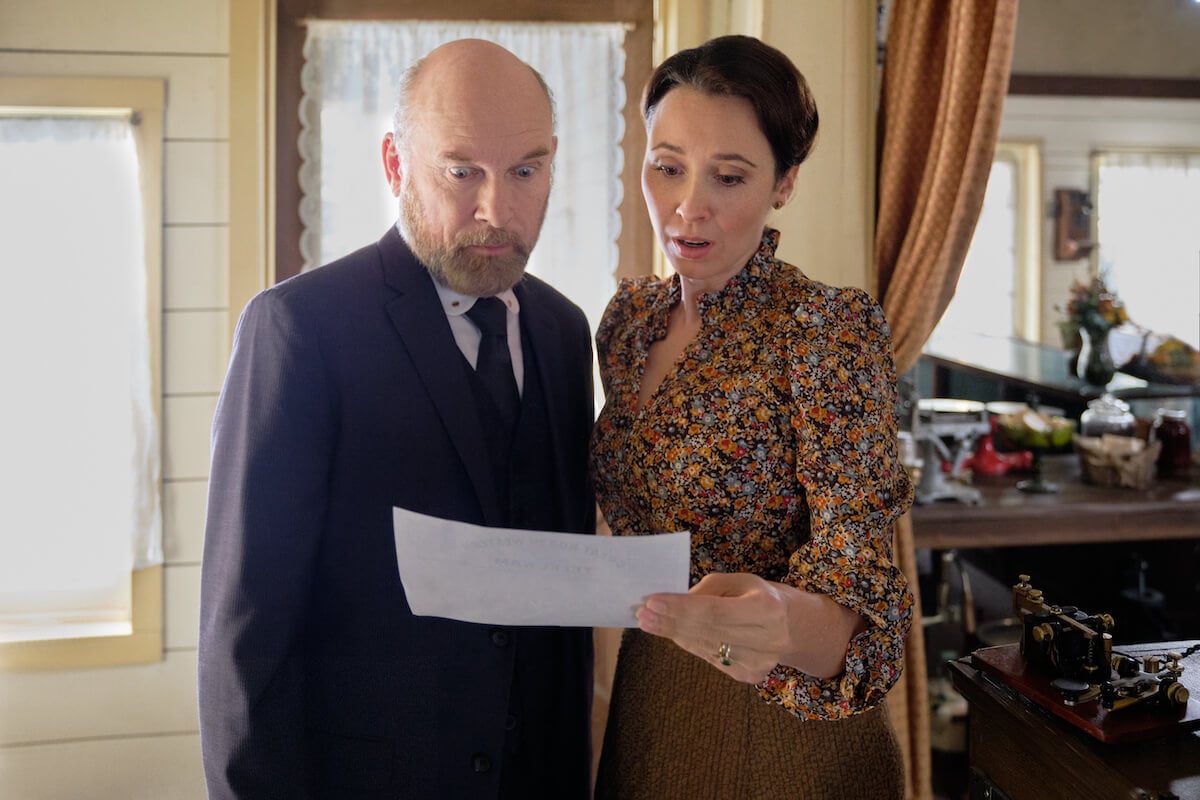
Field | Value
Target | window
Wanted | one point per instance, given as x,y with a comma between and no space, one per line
288,31
998,292
1147,207
349,83
80,531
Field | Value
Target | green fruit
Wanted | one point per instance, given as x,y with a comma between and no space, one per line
1061,436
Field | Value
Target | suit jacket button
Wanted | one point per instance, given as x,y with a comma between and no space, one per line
480,762
510,722
500,638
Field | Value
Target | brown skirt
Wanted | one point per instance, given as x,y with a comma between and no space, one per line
679,728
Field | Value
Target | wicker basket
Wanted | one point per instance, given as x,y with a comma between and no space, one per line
1118,461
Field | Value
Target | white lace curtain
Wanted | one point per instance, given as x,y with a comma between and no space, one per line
349,84
1147,215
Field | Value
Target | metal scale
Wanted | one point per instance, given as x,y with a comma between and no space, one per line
946,429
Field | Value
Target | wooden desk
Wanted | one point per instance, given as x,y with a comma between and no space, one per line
1078,513
1020,751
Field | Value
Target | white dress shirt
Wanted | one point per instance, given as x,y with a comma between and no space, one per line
467,335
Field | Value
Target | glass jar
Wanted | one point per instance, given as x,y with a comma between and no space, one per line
1171,428
1107,414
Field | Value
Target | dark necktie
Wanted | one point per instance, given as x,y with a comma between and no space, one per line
494,365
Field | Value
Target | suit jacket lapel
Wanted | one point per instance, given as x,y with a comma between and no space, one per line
416,313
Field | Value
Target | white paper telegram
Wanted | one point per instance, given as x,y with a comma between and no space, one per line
497,576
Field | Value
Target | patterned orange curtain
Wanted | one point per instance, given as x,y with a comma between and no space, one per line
945,76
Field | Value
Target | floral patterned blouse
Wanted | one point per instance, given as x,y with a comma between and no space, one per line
773,440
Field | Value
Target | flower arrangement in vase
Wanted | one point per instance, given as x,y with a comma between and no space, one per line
1094,311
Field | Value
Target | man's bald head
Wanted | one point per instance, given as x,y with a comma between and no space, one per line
471,161
468,74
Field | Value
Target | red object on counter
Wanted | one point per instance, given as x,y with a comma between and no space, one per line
986,460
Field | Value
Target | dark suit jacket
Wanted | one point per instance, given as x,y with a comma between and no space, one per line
346,395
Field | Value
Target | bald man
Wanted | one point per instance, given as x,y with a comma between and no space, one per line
352,389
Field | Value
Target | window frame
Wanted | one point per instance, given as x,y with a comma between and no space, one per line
1026,157
144,98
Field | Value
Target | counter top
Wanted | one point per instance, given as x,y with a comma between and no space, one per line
1078,513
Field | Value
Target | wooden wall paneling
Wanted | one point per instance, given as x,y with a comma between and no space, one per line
162,767
196,190
115,26
195,347
197,83
184,503
130,731
56,705
181,597
186,425
195,267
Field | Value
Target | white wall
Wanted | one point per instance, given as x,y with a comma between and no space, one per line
131,732
826,227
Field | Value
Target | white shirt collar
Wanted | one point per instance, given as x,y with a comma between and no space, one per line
456,304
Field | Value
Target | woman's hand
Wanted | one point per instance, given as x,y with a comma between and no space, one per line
764,624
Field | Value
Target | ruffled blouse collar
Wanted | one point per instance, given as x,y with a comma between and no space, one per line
741,287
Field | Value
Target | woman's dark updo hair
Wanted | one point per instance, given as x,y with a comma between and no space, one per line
742,66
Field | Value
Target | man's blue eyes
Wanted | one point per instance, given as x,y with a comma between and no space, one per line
462,173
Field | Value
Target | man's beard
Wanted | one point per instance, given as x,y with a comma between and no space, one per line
454,265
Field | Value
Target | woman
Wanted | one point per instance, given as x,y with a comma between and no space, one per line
753,407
